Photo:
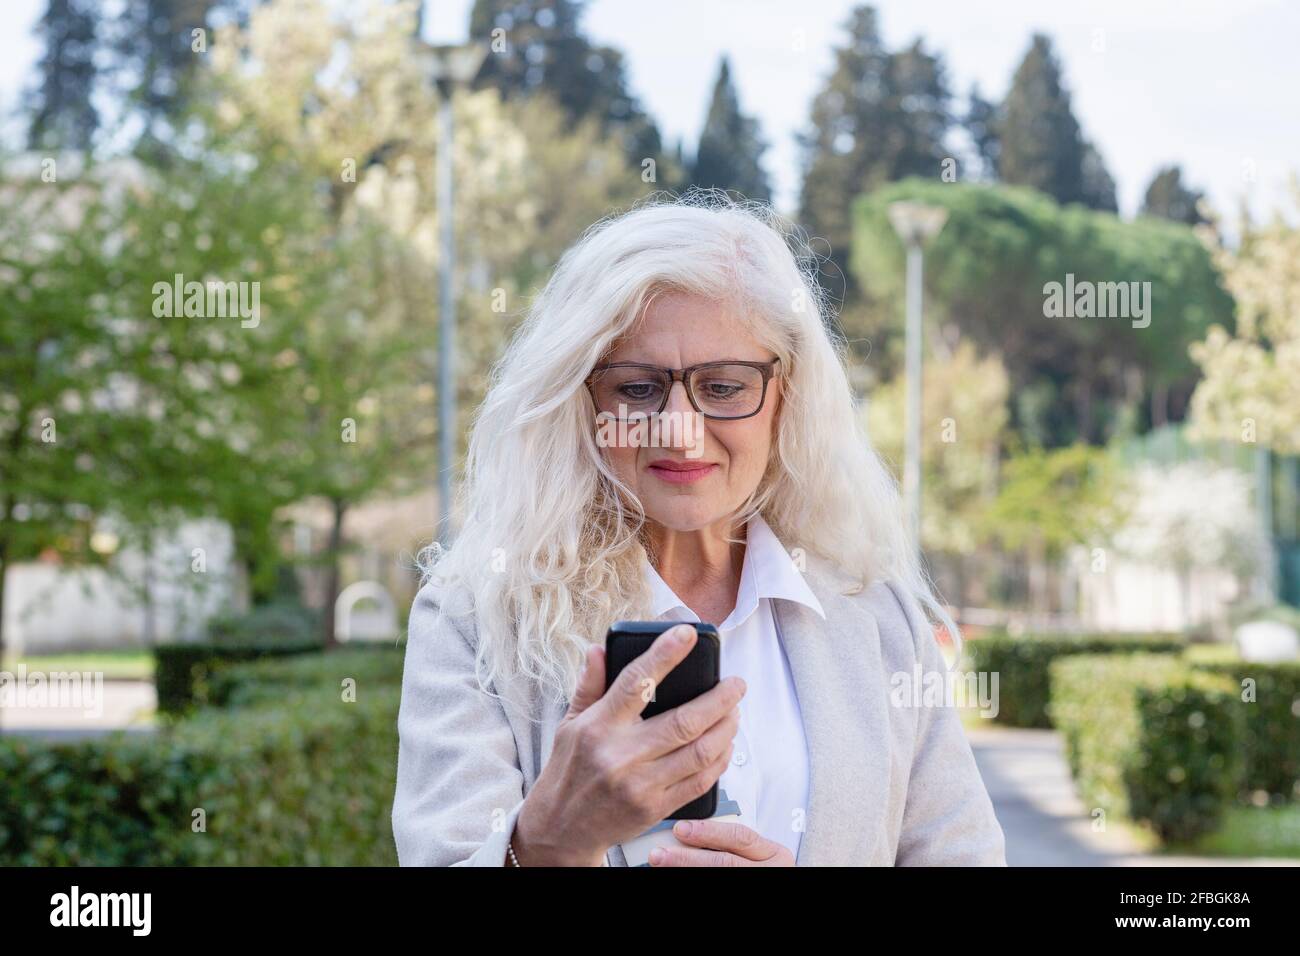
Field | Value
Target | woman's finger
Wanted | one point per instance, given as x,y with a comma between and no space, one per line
693,856
722,835
674,728
636,684
697,784
700,753
591,685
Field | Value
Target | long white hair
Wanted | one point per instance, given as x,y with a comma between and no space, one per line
552,549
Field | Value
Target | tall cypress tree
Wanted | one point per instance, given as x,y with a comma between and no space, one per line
981,123
547,50
62,112
730,146
879,117
1040,141
155,61
1098,185
1168,198
918,115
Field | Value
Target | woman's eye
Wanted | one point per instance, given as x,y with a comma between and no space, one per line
639,391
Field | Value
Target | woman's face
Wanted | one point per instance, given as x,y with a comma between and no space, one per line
726,459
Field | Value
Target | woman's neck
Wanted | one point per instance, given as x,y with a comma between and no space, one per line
702,567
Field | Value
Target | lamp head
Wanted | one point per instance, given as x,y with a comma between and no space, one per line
916,223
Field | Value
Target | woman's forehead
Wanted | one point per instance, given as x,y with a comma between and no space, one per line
678,327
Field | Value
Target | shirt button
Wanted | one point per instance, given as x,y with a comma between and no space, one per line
738,759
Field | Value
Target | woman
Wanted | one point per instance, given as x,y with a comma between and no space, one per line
763,511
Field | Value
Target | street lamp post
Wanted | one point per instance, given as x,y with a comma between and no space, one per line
916,224
450,67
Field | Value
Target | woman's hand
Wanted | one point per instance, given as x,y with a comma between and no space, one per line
611,774
720,843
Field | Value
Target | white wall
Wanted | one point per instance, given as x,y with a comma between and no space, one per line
50,607
1129,596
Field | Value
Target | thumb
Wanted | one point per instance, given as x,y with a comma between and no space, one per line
591,684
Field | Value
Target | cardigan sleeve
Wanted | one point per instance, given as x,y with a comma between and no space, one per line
459,785
948,818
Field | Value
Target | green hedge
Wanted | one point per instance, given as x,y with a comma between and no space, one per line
183,672
267,681
308,782
107,802
1149,738
292,775
1271,743
283,621
1023,666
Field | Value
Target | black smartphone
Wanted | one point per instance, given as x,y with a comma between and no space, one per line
628,640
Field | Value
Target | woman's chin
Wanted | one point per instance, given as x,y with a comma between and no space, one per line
682,515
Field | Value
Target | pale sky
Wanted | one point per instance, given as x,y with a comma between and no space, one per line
1212,85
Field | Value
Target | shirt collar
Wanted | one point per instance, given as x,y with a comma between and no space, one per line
768,572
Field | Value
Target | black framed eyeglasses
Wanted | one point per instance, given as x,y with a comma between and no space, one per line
723,391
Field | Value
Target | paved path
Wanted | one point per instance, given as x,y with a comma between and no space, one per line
125,705
1044,821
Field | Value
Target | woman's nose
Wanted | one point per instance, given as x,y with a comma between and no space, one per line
678,401
681,426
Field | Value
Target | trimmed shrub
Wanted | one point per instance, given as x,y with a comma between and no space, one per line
183,672
1271,743
268,681
1023,665
280,622
106,802
307,782
295,777
1150,739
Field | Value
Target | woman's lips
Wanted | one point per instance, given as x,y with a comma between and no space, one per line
679,473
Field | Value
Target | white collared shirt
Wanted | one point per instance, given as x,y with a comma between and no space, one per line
768,775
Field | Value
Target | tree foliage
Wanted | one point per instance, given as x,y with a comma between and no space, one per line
1039,141
880,116
1251,389
730,146
1072,378
540,46
963,433
1168,198
62,112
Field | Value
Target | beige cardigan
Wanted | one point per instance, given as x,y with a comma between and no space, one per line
889,784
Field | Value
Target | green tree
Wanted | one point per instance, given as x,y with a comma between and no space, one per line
730,147
113,407
981,123
61,106
963,429
1168,198
541,45
879,117
1039,139
1251,389
1052,499
988,272
156,49
56,360
1098,185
